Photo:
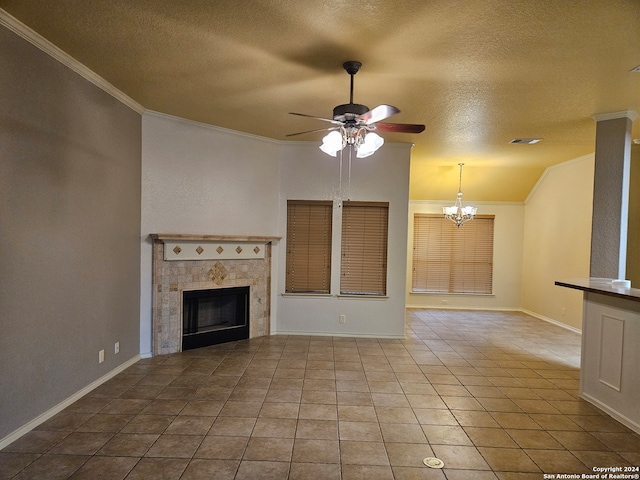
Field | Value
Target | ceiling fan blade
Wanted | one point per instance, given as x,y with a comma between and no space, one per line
311,131
335,122
400,127
377,113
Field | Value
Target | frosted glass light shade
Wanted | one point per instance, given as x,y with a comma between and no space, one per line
471,211
450,211
332,143
372,142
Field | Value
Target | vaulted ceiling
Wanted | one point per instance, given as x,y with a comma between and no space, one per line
477,73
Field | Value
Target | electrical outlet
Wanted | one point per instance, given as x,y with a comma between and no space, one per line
444,302
343,319
101,356
564,311
116,348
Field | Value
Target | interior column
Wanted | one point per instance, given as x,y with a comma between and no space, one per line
611,194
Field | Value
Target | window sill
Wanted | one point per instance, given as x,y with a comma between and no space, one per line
453,294
329,295
307,294
363,297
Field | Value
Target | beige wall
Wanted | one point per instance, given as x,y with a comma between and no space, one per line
70,226
557,240
507,259
633,233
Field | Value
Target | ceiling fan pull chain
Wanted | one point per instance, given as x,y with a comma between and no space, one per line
349,187
340,186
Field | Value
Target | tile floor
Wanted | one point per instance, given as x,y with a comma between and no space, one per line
493,395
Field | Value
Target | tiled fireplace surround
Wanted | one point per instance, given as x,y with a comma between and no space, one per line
172,276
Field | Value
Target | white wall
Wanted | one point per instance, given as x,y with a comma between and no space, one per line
557,240
309,174
507,259
202,179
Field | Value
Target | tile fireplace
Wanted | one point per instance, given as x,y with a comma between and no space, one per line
185,263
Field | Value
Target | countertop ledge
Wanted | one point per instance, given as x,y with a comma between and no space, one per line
601,285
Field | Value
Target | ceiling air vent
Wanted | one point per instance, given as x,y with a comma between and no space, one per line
525,141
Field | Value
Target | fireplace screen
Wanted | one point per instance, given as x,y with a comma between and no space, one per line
214,316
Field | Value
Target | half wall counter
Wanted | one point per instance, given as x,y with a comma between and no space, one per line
610,359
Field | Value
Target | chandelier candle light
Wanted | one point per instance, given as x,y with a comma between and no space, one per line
457,213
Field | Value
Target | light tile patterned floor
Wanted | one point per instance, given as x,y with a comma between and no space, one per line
492,394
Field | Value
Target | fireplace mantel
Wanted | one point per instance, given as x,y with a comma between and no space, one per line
212,238
198,262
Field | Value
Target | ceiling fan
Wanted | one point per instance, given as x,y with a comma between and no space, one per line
354,124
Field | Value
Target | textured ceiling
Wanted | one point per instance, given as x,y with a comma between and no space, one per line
477,73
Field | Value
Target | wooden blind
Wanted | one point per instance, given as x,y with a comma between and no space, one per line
364,248
451,259
308,246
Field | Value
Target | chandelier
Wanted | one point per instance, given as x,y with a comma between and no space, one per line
360,138
457,213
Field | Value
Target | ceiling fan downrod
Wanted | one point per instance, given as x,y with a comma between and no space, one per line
348,111
352,68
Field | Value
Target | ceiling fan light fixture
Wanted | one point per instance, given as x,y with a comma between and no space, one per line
332,143
353,124
372,142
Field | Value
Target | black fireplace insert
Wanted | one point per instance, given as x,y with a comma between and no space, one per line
214,316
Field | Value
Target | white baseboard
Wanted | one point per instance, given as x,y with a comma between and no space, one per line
551,320
15,435
460,307
613,413
333,334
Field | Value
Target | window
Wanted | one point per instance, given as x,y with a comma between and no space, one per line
308,246
449,259
364,248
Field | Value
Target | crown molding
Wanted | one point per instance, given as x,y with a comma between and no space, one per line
208,126
447,203
61,56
